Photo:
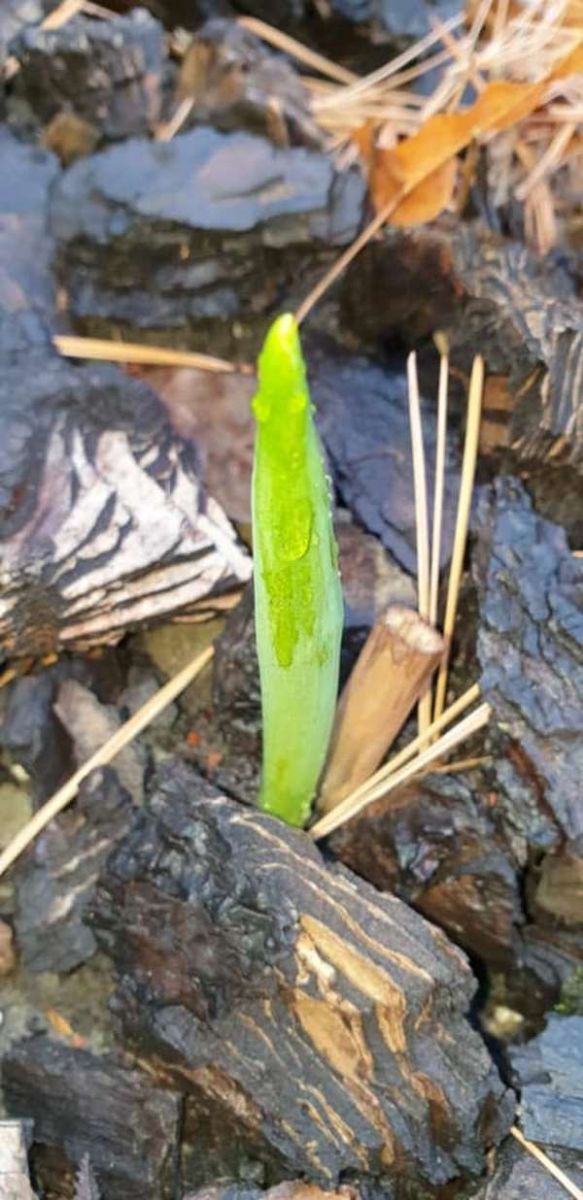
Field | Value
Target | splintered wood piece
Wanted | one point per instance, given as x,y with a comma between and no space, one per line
312,1022
392,671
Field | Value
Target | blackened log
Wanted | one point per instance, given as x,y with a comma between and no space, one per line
84,1105
320,1023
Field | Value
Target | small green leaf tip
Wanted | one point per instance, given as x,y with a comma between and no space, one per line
298,598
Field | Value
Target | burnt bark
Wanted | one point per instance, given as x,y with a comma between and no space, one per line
320,1024
492,296
85,1105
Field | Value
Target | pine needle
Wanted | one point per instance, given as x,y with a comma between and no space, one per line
438,487
462,522
548,1164
122,737
421,525
103,350
62,13
290,45
408,752
350,807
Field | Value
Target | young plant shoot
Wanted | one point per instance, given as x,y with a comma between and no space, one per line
298,597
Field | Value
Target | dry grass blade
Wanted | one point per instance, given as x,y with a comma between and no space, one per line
166,132
289,45
548,1164
62,13
350,807
122,736
462,522
344,260
103,350
421,525
451,714
549,160
438,487
347,95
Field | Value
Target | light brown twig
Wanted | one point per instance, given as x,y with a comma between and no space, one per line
122,737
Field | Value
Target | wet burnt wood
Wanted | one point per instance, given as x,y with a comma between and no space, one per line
495,858
318,1023
489,295
82,1104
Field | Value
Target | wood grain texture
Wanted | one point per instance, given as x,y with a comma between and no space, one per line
319,1023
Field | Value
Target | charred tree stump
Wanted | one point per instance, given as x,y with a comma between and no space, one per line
316,1022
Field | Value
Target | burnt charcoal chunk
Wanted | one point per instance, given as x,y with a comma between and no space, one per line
84,1105
236,82
363,418
322,1023
106,72
437,847
530,643
56,881
192,235
549,1074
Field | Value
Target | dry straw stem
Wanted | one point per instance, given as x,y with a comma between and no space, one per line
421,523
548,1164
289,45
122,736
438,487
350,807
103,350
462,522
455,710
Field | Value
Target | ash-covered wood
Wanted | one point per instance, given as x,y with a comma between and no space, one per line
516,1175
107,72
197,240
85,1105
319,1023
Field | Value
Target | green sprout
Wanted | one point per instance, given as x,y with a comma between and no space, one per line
298,597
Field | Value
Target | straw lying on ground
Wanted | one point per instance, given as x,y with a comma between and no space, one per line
122,736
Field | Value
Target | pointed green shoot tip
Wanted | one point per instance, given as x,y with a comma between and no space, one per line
298,598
